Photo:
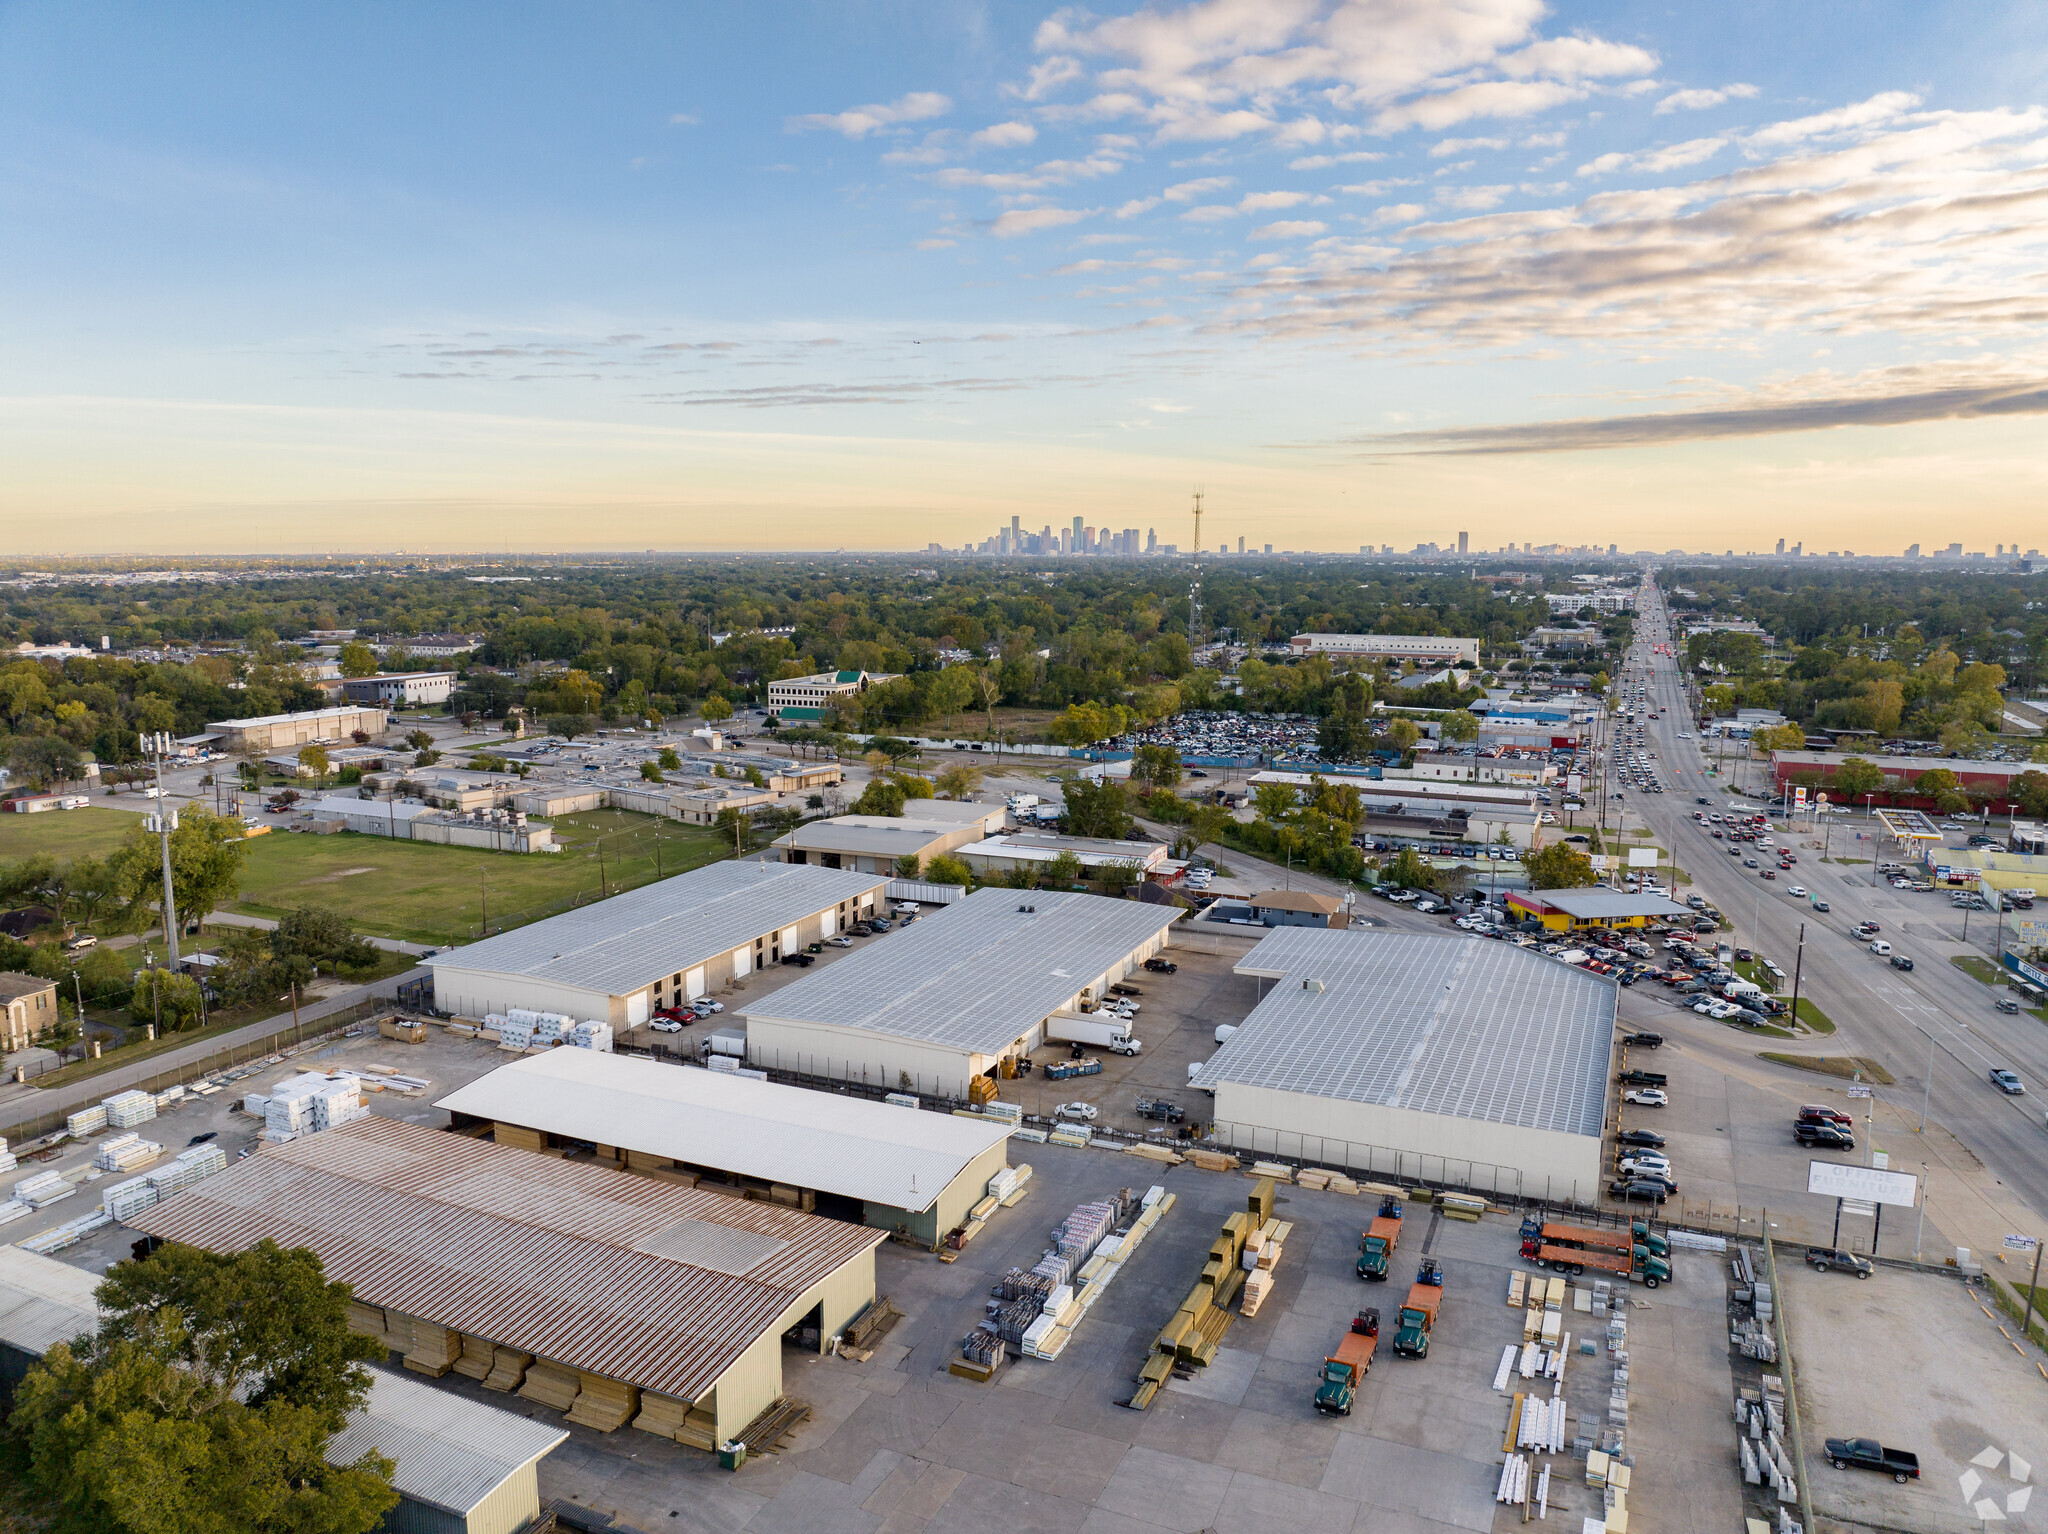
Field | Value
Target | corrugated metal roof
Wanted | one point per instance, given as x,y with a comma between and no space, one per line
1606,905
976,975
879,835
448,1452
43,1301
1463,1026
524,1250
846,1145
619,945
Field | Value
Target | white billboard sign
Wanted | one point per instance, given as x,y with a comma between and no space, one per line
1832,1179
1642,857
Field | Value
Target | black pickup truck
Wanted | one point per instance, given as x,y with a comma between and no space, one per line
1868,1454
1643,1079
1160,1108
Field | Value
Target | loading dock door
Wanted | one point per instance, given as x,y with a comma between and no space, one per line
693,983
636,1009
742,962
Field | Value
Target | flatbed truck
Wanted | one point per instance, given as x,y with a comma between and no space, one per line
1416,1320
1345,1369
1637,1265
1596,1238
1377,1248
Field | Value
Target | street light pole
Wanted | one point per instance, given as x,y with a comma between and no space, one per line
158,744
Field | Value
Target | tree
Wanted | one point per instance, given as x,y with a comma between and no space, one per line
715,710
1274,801
1097,809
1944,788
951,690
206,865
1460,725
159,993
880,797
1344,734
2030,792
988,690
2038,752
1083,724
1855,777
420,740
426,759
910,866
1064,869
357,659
204,1403
1560,866
651,771
1118,876
42,760
322,937
313,760
1409,870
670,762
1402,734
1206,823
1776,737
913,786
960,782
1157,768
945,869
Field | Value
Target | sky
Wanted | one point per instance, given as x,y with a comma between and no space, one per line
867,276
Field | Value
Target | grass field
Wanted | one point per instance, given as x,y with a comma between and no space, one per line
65,834
1848,1067
1978,969
433,894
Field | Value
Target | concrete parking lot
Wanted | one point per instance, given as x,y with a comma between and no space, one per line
1919,1362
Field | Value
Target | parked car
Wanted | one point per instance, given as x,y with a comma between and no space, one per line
1632,1188
1823,1137
83,941
2007,1082
1160,1108
839,940
1645,1040
800,960
1824,1258
1079,1113
1647,1097
665,1025
1161,966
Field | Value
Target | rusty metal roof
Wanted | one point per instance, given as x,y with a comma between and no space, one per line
624,1276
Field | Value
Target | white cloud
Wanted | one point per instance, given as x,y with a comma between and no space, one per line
1262,202
1494,98
1878,109
1031,220
1578,58
936,244
1009,135
1188,191
1472,199
1039,177
918,106
1378,188
1701,100
1545,140
1444,148
1656,162
1048,75
1398,213
683,120
1137,206
1209,213
1289,229
1325,161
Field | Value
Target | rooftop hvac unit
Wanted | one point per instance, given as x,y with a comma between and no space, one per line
1028,910
1314,987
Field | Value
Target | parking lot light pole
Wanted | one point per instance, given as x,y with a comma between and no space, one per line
2033,1285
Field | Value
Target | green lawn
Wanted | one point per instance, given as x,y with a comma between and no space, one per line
66,834
1848,1067
435,894
1978,969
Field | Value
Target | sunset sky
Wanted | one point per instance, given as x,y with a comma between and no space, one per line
796,276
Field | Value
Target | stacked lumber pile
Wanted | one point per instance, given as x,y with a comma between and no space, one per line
552,1385
667,1417
1196,1331
604,1404
508,1369
434,1348
1213,1161
391,1327
477,1358
1334,1182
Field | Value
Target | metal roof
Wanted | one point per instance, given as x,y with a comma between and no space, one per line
447,1452
1604,905
1463,1026
351,710
43,1301
619,945
846,1145
977,975
876,835
550,1257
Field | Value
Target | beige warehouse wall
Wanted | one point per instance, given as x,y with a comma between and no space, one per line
971,1186
820,1049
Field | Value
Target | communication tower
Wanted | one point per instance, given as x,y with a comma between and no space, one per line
1195,585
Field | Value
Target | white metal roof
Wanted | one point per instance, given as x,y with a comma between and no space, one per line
978,974
616,946
954,812
846,1145
888,835
349,710
43,1301
1607,905
448,1452
1463,1026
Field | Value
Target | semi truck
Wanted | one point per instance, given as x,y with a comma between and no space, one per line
1345,1369
1416,1320
1616,1240
1379,1241
1112,1034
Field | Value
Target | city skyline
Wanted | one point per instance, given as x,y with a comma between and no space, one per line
1369,274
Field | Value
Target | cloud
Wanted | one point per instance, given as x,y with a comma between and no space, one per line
784,396
1443,149
1700,100
918,106
1398,213
1209,213
1038,178
1188,191
1496,98
1009,135
683,120
936,243
1261,202
1048,75
1472,199
1878,109
1020,221
1897,407
1656,162
1289,229
1377,188
1325,161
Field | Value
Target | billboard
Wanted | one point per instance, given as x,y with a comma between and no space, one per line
1642,857
1832,1179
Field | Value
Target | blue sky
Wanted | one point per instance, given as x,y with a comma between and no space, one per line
822,276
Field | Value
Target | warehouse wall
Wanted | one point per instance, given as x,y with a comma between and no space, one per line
512,1506
751,1385
970,1187
821,1049
473,992
1403,1143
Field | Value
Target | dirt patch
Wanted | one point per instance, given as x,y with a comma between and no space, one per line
1848,1067
339,874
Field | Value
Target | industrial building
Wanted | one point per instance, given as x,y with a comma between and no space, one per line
1586,909
873,843
42,1302
958,994
620,959
410,820
1433,648
1453,1060
1439,811
1038,850
587,1288
281,732
401,689
1300,908
873,1163
807,697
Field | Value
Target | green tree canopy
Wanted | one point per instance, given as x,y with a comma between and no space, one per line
1156,767
1097,809
1855,777
42,760
1560,866
357,659
206,865
1064,869
946,869
314,760
1460,724
880,797
716,710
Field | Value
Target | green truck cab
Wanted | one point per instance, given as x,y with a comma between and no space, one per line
1416,1319
1337,1385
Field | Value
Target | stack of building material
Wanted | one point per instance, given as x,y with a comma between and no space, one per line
1197,1328
7,1161
593,1035
337,1100
14,1209
552,1028
169,1095
1003,1184
1334,1182
434,1348
122,1201
1009,1113
516,1031
477,1358
367,1319
127,1109
605,1404
43,1189
1076,1136
256,1104
1279,1171
1023,1185
68,1234
667,1417
202,1161
126,1152
1256,1287
552,1385
1213,1161
86,1121
508,1369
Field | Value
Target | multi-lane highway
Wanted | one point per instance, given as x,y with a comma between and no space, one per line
1897,1018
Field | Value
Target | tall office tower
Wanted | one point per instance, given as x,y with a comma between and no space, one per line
1913,551
1386,548
1612,549
1365,548
1016,532
1240,544
1005,546
1151,540
1464,544
1269,548
1077,535
1781,545
1797,547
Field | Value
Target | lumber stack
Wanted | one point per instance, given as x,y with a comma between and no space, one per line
508,1369
1212,1161
367,1319
605,1404
477,1358
434,1348
552,1385
668,1417
1196,1330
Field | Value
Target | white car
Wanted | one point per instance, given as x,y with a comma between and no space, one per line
706,1004
1796,890
1081,1113
839,940
666,1025
1646,1097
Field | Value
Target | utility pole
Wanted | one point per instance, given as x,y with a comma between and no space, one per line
1195,585
2033,1287
483,895
158,745
1798,963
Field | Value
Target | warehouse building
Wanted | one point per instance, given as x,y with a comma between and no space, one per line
1039,850
958,994
282,732
1435,648
1450,1060
1471,812
848,1157
616,1298
872,843
42,1302
401,689
621,959
1588,910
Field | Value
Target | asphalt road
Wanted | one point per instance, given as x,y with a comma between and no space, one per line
1889,1015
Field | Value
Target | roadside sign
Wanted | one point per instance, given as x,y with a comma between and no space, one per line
2020,1243
1835,1179
1859,1091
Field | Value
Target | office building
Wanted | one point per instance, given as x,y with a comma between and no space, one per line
1440,649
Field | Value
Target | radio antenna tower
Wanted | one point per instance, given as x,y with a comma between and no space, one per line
1195,585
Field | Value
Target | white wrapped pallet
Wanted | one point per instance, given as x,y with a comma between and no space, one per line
127,1109
124,1200
14,1209
43,1189
87,1121
256,1103
204,1160
593,1035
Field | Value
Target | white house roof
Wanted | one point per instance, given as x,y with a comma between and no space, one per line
447,1452
847,1145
